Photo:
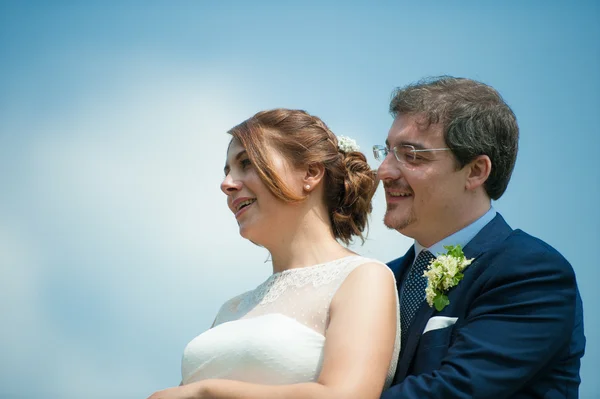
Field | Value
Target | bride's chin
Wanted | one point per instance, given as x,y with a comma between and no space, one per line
250,235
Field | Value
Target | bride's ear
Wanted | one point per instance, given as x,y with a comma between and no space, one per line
313,176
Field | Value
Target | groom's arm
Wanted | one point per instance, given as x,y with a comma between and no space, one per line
522,318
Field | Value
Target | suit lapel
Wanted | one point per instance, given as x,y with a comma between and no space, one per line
496,230
407,353
401,265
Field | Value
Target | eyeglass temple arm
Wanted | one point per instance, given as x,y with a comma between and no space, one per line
432,149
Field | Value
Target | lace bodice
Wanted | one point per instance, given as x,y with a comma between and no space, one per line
274,334
304,294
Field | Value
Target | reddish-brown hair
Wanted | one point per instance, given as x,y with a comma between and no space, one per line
303,139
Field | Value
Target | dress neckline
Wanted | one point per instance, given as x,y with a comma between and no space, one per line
311,267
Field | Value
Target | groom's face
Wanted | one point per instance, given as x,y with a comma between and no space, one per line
422,194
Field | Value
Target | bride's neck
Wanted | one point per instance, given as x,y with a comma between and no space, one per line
310,243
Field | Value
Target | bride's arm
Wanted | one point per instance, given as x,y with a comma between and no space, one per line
358,349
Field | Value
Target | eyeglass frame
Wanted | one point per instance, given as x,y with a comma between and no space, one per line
414,151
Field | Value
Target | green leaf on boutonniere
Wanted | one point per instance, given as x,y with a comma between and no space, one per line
440,302
443,273
455,251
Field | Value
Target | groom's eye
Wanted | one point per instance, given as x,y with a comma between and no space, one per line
408,155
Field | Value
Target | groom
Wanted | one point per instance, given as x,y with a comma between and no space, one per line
512,327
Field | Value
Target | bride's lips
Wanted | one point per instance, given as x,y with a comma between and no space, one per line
235,206
241,211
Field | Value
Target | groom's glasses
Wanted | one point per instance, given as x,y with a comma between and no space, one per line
405,154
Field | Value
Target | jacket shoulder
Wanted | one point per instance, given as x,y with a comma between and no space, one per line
521,249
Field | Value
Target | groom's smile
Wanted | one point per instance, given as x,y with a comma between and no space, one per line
396,194
392,194
399,200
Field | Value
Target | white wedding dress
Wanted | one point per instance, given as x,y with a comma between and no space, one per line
274,334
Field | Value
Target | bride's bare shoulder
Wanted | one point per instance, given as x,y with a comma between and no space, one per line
370,276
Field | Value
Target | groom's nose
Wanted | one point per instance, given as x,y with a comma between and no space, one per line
389,169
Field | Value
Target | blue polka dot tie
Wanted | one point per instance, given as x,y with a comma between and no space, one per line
413,293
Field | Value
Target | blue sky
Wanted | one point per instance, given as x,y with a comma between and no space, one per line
116,247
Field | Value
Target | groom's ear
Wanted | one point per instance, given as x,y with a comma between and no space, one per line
314,174
478,170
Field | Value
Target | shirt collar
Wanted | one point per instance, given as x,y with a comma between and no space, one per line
461,237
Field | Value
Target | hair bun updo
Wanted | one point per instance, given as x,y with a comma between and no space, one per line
353,204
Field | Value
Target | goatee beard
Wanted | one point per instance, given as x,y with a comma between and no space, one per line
398,223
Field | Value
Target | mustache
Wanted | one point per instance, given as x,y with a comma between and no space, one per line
396,185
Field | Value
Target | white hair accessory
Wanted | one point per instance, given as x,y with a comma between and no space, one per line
346,144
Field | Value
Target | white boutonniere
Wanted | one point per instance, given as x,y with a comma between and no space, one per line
443,273
346,144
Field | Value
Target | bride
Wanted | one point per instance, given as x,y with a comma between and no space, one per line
324,324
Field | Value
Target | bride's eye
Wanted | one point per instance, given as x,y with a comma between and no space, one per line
245,163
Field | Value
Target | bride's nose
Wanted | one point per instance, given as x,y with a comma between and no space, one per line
230,185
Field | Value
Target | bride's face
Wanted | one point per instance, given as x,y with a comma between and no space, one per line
261,216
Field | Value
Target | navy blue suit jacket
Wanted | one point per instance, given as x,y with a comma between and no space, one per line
519,327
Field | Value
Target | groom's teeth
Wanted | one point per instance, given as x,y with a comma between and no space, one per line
399,195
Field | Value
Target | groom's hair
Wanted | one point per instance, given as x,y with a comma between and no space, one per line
474,118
